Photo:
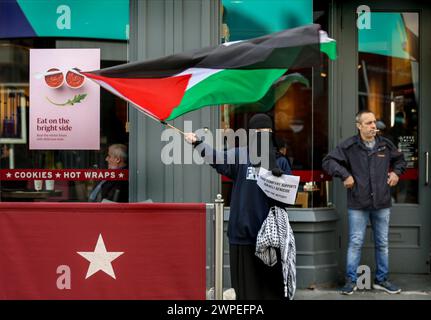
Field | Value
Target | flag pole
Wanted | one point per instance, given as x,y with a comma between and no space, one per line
171,126
153,117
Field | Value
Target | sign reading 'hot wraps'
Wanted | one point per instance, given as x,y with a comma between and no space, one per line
64,105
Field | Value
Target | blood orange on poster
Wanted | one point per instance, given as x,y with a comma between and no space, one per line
54,78
74,79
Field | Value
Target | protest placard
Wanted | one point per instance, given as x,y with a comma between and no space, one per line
282,188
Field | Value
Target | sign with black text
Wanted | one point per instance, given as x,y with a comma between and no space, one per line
282,188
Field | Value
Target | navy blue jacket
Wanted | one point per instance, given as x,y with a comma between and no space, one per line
249,205
369,168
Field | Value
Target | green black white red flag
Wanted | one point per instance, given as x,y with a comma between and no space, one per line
234,73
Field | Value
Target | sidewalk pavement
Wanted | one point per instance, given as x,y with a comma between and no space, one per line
414,287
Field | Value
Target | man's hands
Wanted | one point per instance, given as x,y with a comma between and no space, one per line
190,137
392,179
349,182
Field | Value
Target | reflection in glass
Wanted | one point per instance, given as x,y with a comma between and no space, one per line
388,73
297,102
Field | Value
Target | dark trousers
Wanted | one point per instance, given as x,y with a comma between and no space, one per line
251,278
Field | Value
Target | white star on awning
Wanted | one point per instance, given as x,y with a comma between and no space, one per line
100,259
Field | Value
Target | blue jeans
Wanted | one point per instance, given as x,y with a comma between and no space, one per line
358,220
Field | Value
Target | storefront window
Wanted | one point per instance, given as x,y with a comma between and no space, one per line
299,103
16,41
388,73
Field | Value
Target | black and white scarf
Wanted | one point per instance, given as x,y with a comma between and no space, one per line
277,233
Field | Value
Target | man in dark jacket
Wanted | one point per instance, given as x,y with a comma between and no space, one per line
368,165
249,207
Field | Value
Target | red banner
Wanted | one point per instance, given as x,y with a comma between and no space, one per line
102,251
319,175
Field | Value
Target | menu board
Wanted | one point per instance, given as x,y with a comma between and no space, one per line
407,145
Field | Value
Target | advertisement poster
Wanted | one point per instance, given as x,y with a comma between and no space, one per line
64,105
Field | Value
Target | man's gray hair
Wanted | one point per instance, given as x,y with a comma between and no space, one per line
119,150
360,113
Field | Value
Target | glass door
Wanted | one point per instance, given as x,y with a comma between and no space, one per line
387,71
388,85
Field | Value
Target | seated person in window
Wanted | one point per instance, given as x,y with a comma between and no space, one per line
283,150
113,190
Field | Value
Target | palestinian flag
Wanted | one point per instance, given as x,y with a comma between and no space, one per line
275,93
328,45
234,73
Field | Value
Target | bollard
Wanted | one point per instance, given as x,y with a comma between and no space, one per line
218,285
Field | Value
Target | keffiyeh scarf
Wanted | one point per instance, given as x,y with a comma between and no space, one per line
277,233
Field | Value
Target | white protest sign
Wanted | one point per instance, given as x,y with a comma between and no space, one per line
282,188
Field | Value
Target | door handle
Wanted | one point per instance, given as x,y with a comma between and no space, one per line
427,158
